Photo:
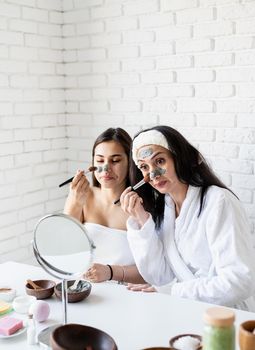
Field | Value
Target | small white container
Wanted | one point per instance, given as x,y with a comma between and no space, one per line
7,295
21,304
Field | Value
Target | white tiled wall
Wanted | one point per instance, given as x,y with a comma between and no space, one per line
69,69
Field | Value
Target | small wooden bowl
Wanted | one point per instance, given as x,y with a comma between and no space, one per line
46,291
173,340
74,297
79,337
246,335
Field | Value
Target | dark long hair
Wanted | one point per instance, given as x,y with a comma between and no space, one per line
190,167
113,134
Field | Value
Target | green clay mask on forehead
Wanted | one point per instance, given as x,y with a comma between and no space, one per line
145,153
157,172
100,168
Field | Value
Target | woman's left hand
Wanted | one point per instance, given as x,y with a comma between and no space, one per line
98,273
146,287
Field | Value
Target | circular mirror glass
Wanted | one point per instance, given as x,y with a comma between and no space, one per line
62,245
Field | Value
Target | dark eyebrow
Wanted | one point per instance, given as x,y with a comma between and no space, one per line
112,155
155,155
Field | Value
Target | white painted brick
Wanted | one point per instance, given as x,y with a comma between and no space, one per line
233,166
94,107
237,136
23,26
199,134
60,68
49,82
14,122
77,94
137,36
35,198
9,10
57,95
236,11
175,90
6,162
104,40
207,3
195,75
214,90
233,43
123,23
44,120
245,120
35,14
71,82
54,205
106,11
36,95
92,81
14,175
106,93
50,4
28,108
247,152
245,26
245,90
13,66
105,67
159,105
173,32
76,16
87,3
174,61
76,42
91,55
11,38
49,29
11,95
125,105
8,245
37,145
194,15
51,55
3,23
217,28
35,40
6,136
245,58
173,5
243,181
31,212
124,79
156,20
28,159
8,219
69,30
41,68
23,53
238,74
5,108
218,149
138,119
157,77
12,231
213,59
175,119
89,28
53,132
193,45
236,106
27,134
56,17
72,107
3,80
138,64
140,7
46,169
245,196
54,107
3,52
141,91
158,49
194,105
29,3
123,52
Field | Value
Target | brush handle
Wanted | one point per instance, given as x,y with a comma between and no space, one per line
135,187
71,178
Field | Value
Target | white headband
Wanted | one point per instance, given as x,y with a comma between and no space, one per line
150,137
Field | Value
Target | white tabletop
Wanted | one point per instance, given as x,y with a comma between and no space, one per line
135,320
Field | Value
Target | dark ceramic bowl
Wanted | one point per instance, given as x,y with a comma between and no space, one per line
78,337
198,337
74,297
46,291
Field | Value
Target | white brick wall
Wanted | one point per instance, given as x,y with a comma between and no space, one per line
67,76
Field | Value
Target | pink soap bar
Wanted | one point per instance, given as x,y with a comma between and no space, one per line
10,325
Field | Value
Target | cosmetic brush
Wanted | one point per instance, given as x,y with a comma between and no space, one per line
91,168
136,186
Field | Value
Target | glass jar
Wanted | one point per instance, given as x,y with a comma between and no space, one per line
219,330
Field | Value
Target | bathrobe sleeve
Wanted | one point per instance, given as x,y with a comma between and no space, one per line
230,244
149,252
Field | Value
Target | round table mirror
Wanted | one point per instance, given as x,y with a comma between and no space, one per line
63,248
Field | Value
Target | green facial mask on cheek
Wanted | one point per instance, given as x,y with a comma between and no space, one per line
157,172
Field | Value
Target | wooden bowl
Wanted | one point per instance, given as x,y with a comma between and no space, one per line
74,297
173,340
79,337
246,335
46,291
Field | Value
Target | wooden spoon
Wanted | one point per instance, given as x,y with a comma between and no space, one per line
33,284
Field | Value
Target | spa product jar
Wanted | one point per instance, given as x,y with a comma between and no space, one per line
219,329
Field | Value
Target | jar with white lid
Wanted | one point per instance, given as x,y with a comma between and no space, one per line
219,329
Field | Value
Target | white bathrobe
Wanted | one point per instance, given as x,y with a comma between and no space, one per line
215,260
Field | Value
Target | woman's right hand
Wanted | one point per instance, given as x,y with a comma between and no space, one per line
78,188
131,204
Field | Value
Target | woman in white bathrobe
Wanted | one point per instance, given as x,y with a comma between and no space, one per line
188,232
94,207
